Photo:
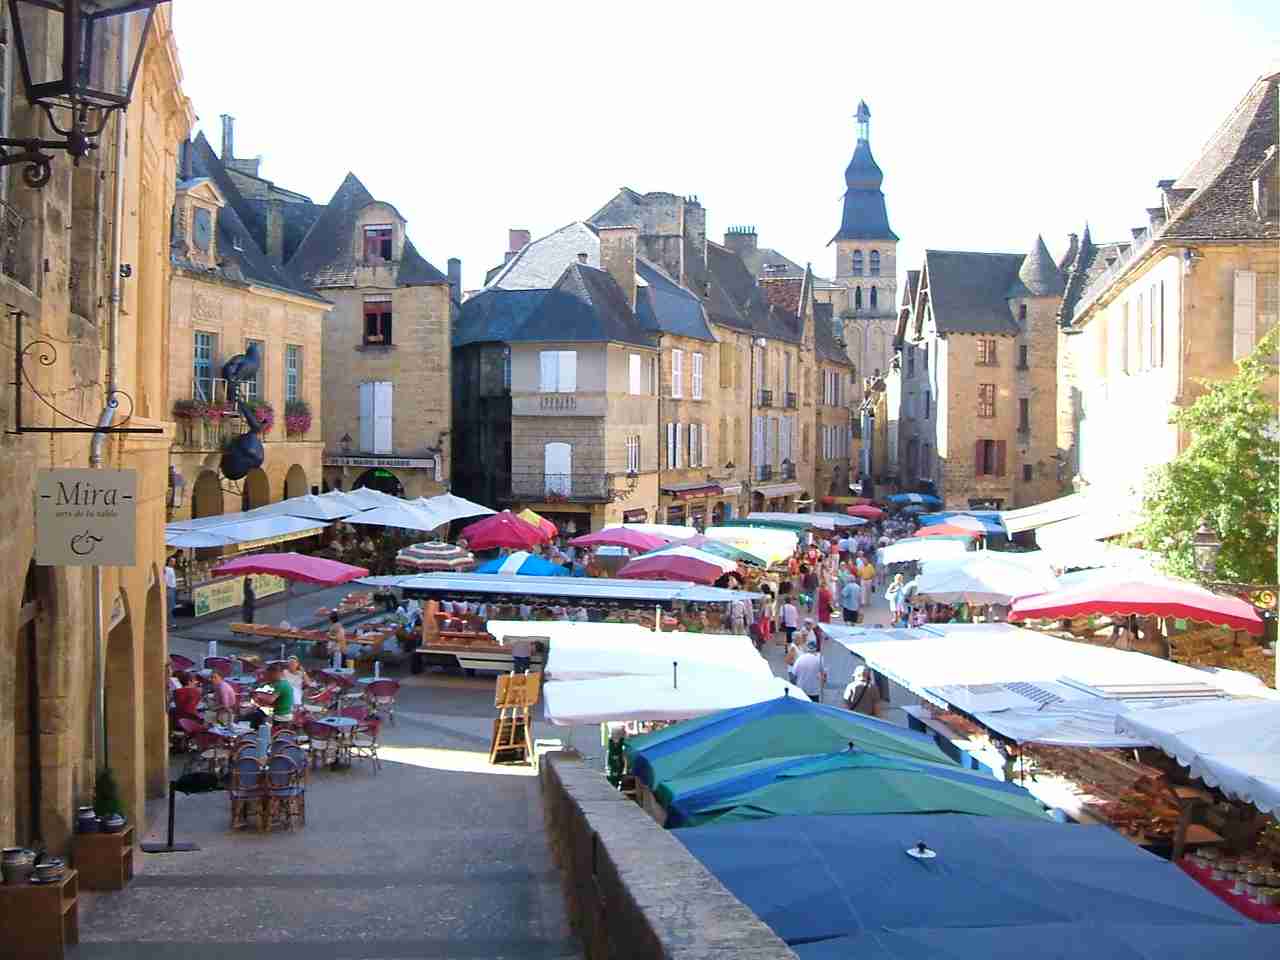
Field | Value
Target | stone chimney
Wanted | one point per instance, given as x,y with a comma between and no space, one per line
695,239
1073,247
228,137
741,240
275,231
517,240
455,278
618,257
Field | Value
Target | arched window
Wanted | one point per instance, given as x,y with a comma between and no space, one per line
857,263
875,263
873,298
857,298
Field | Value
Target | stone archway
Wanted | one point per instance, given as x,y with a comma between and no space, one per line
380,479
155,697
255,489
124,736
206,495
25,700
295,482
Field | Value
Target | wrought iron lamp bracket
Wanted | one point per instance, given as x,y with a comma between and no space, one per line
44,353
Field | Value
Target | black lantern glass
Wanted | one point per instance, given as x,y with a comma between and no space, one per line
1205,545
80,58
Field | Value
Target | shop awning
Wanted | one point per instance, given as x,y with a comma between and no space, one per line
692,488
1041,514
1101,519
730,489
238,530
568,588
778,489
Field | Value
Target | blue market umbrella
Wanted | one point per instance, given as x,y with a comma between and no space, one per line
524,564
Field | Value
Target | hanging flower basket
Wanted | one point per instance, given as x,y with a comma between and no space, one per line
297,417
265,414
197,410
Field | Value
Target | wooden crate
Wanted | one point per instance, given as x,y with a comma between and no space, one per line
40,920
105,860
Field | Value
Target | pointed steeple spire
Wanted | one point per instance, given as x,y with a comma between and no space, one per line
1038,273
863,117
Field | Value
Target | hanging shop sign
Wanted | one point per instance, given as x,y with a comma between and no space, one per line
86,518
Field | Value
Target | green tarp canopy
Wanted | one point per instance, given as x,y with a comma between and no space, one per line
852,782
777,728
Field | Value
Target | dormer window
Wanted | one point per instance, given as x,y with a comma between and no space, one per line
377,243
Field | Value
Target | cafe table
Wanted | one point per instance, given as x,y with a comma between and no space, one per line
345,728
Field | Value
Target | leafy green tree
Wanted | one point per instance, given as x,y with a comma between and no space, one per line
1229,474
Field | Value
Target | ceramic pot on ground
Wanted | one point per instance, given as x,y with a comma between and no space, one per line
112,823
17,864
50,868
86,820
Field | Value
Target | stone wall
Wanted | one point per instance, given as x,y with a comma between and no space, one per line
632,888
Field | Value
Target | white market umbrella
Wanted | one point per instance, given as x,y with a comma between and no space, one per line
921,549
769,544
451,507
401,514
983,577
691,693
670,531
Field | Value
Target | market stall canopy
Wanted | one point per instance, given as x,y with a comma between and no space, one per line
435,555
840,520
1143,597
774,729
238,529
668,531
678,563
548,528
503,529
450,507
771,545
621,537
865,511
696,692
293,566
403,514
946,530
985,523
590,651
851,781
997,889
363,498
923,499
1233,745
845,501
913,550
523,563
796,521
310,506
719,548
983,577
596,589
1042,514
1085,555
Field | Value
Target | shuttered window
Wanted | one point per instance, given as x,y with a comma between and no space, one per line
677,373
376,406
558,371
1244,314
697,376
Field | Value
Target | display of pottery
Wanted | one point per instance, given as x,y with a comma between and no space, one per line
17,864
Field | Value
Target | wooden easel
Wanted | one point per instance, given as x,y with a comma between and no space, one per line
513,728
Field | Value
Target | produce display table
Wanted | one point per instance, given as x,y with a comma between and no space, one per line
105,860
40,920
1263,913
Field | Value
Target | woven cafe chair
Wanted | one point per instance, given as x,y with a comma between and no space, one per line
382,695
323,745
211,753
179,662
248,791
364,742
286,791
356,711
222,664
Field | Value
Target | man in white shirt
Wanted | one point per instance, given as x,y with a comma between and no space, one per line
810,672
171,588
851,600
790,619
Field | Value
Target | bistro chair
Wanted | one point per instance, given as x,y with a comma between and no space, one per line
320,701
181,663
211,753
364,742
294,753
222,664
245,667
324,746
381,695
248,790
286,792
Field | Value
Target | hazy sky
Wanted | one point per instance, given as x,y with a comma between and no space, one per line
991,121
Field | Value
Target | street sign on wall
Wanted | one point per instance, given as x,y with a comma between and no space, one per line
86,518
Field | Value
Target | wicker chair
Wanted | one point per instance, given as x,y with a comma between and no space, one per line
179,662
364,742
324,743
248,791
286,791
211,753
381,695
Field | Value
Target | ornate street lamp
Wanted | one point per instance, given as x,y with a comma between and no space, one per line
1206,545
93,76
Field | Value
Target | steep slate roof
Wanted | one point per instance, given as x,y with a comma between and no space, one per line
1090,262
909,291
494,316
968,290
766,262
235,241
737,301
825,344
298,218
326,255
662,304
1038,276
585,305
865,217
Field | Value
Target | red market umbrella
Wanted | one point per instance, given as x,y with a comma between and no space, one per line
1151,597
293,566
539,521
866,511
503,529
678,563
946,530
621,537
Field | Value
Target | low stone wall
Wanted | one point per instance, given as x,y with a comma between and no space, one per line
633,890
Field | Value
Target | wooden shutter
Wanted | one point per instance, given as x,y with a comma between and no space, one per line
679,445
1000,462
549,365
706,444
1244,313
671,445
382,398
677,373
726,364
978,465
697,375
366,417
568,367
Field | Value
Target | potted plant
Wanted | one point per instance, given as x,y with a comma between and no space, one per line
264,412
106,798
105,859
297,417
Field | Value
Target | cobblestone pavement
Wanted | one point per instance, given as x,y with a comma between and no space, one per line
437,855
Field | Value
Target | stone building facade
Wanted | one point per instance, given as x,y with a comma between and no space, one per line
977,405
1146,319
227,293
57,269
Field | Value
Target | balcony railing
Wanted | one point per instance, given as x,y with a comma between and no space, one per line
539,485
764,472
791,401
765,399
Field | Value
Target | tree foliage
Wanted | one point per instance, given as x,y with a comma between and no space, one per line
1228,474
